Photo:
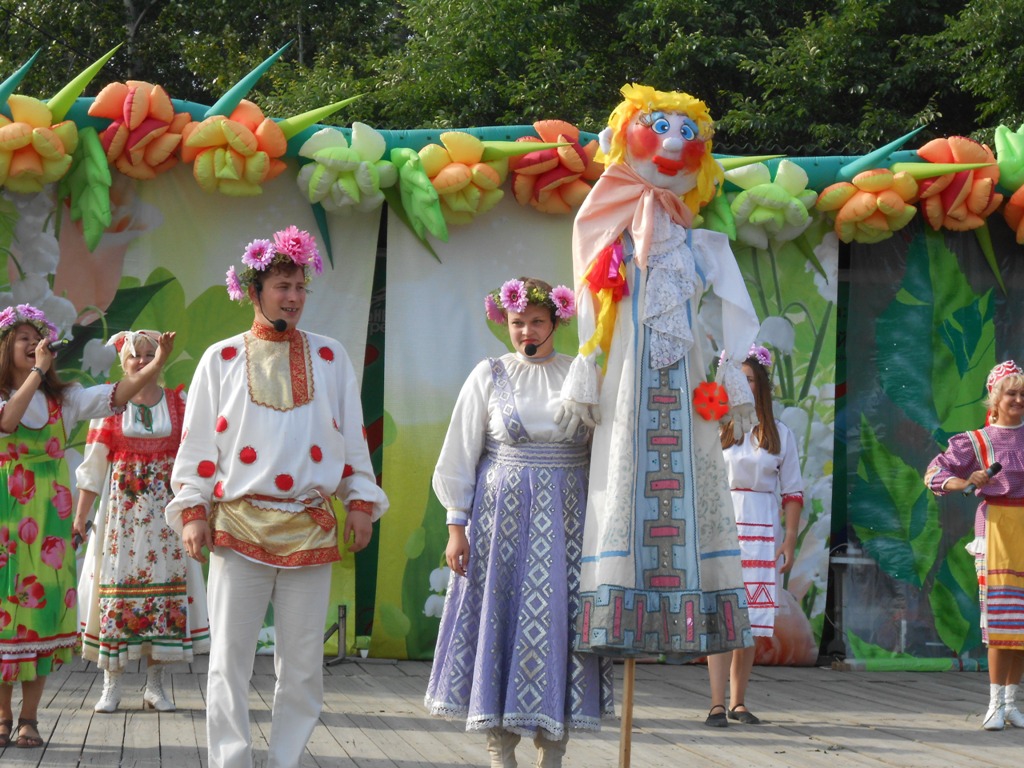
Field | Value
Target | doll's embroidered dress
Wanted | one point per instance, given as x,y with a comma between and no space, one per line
760,483
38,596
661,567
504,654
140,595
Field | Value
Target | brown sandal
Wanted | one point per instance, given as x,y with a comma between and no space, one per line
28,741
5,738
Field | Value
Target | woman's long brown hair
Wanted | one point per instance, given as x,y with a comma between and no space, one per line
52,385
766,432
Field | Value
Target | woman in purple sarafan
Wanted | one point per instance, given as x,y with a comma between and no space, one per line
990,461
514,484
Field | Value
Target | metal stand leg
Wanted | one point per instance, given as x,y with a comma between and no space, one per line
341,627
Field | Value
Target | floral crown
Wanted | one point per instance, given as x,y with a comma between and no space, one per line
23,314
514,296
761,354
1001,371
289,246
756,351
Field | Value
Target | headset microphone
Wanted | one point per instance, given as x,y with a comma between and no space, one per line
531,349
279,325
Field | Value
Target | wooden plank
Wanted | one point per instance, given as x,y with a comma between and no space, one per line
374,717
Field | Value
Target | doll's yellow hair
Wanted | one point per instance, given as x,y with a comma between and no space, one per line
643,98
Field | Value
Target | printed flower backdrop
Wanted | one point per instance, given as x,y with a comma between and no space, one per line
77,217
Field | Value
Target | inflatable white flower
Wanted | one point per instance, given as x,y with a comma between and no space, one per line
346,176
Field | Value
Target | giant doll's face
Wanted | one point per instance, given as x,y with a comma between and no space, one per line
665,149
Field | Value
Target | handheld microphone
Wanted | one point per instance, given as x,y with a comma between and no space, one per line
994,469
76,541
58,345
531,349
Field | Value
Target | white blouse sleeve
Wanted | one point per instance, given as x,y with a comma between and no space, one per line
454,479
91,474
188,484
791,483
715,259
80,403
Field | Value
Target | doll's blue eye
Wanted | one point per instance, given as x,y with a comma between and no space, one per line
688,130
661,125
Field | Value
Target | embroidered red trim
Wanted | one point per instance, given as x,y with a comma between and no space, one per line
308,557
360,506
191,514
797,497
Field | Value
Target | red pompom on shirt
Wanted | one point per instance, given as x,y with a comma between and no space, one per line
327,354
247,455
206,468
228,352
316,454
284,482
218,490
222,424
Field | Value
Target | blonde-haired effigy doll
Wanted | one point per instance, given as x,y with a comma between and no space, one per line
661,565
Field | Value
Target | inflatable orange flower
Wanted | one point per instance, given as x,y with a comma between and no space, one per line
236,154
555,180
33,151
145,131
963,200
466,184
1014,214
869,209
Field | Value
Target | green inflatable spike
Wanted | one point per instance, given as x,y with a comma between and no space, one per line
292,126
226,104
877,158
10,85
62,101
500,150
930,170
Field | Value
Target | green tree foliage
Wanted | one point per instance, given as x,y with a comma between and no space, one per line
850,79
800,76
985,51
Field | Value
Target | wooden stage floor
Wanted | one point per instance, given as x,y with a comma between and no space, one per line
374,718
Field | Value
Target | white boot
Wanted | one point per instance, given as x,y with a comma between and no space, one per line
155,697
501,744
1011,714
994,718
111,695
549,752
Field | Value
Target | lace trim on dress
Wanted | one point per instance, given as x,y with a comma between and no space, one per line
731,376
581,382
671,285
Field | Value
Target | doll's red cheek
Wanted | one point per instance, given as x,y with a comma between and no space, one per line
693,154
641,141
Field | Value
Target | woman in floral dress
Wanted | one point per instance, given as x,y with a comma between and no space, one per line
140,596
38,621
